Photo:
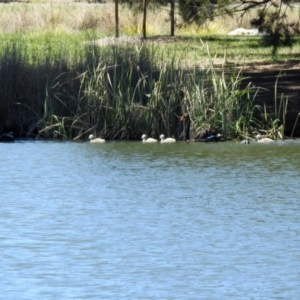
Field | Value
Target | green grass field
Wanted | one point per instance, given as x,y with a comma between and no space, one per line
71,23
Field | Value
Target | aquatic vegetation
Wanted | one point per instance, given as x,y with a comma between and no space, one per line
296,121
118,91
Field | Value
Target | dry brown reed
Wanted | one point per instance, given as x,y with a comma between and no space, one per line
69,15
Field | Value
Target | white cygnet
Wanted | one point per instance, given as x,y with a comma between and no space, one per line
260,139
95,140
167,140
149,140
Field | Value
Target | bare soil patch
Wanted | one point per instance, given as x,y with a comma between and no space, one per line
280,80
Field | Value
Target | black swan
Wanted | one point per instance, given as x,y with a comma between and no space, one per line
7,137
203,136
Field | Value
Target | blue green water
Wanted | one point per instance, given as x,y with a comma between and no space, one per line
127,220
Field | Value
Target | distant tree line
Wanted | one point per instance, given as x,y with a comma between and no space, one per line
271,15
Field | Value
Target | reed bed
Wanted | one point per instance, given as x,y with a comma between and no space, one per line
117,92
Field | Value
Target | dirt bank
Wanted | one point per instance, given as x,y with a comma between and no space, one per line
288,84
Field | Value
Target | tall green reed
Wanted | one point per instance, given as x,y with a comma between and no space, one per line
217,101
128,93
273,124
118,92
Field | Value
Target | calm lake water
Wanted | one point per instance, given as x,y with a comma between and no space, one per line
126,220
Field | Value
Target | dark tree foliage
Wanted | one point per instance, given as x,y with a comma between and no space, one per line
199,11
136,4
271,16
272,20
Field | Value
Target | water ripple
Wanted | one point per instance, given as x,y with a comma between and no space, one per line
125,220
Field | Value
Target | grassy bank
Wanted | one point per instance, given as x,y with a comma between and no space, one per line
53,84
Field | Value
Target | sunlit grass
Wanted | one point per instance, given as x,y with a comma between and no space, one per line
69,18
38,46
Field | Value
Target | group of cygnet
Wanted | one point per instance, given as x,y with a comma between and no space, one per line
144,138
162,139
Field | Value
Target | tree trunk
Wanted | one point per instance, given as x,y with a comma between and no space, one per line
172,17
144,18
117,17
